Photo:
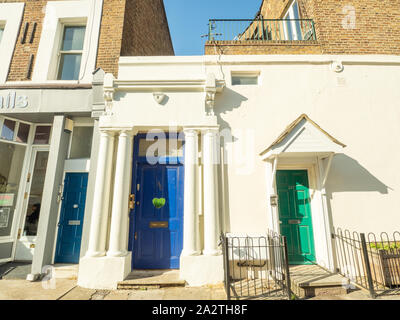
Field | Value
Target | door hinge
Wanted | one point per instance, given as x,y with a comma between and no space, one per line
135,235
332,235
19,233
132,201
138,187
28,179
25,195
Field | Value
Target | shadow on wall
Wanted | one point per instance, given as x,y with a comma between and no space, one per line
225,102
348,175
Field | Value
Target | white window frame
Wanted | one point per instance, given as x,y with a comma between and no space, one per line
60,52
246,74
58,14
17,123
10,19
290,15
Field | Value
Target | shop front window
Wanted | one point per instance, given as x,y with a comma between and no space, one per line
23,132
35,194
11,162
8,129
42,135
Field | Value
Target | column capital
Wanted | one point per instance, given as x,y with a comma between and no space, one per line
210,130
126,132
190,132
107,132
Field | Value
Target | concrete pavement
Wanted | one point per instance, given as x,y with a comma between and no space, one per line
66,289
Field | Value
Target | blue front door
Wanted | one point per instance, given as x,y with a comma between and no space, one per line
157,237
71,218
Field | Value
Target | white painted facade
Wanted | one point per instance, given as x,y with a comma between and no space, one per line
351,152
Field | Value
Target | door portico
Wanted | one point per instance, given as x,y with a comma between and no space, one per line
103,246
304,146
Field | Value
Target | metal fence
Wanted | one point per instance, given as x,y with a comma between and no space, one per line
371,262
256,267
261,29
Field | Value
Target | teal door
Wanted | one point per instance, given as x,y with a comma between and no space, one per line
71,218
295,215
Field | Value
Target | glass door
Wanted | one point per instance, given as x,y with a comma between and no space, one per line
11,163
32,204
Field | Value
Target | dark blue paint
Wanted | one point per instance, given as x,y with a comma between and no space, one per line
156,248
69,236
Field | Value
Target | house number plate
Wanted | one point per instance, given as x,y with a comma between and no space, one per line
294,221
158,224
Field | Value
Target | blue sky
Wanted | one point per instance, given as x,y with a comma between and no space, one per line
188,20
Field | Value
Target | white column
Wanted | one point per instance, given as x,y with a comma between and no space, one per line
119,217
101,200
190,216
211,217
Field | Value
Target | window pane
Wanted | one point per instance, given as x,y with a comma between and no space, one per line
295,10
244,80
36,193
81,144
73,38
297,23
1,33
160,148
289,30
70,65
23,132
8,130
42,135
11,161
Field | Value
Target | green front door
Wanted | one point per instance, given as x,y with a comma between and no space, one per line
295,215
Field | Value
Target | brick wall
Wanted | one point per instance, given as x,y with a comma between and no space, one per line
132,27
261,47
33,12
110,40
376,29
146,31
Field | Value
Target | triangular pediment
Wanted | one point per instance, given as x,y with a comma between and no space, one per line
303,136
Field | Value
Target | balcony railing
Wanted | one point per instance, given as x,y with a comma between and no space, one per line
261,30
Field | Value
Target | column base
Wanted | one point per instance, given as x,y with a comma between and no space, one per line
202,270
116,253
190,253
212,252
103,272
95,254
32,277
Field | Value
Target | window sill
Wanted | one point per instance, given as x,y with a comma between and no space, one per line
51,84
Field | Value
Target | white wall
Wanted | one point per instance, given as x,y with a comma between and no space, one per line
359,106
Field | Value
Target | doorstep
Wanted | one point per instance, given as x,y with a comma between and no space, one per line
151,279
312,280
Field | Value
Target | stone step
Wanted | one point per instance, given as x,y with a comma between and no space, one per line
311,280
154,279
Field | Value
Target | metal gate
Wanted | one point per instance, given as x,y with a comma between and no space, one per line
256,267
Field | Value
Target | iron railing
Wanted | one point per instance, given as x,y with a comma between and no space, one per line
369,261
256,267
261,29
